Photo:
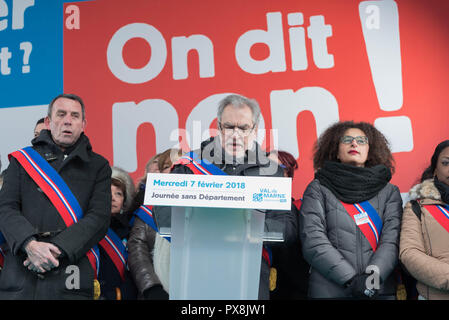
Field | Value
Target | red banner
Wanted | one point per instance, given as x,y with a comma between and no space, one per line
151,73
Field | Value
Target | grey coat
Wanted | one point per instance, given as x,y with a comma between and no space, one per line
335,247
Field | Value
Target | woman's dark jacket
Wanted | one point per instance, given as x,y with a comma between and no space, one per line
335,247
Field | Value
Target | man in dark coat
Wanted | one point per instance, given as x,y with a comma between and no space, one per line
45,259
235,151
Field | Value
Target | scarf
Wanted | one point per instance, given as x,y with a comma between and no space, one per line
443,189
352,184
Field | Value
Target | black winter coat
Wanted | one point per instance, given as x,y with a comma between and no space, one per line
26,211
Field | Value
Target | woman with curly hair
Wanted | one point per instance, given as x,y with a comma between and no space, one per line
350,217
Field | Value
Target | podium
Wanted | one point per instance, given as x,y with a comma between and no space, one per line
216,243
215,253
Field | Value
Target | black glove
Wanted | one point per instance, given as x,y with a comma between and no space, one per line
359,289
155,293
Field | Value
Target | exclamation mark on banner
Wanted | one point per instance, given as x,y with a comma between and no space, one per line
380,25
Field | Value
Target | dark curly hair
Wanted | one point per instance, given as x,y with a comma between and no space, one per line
326,147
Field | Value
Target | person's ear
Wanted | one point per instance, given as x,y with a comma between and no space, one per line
47,122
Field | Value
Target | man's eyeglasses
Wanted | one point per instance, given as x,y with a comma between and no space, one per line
359,139
242,130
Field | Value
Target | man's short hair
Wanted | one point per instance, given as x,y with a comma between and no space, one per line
67,96
41,120
239,101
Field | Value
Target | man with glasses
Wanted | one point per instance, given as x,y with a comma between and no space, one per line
236,152
238,118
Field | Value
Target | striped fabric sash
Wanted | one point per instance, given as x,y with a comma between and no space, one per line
367,219
202,166
116,250
440,214
55,188
145,213
199,166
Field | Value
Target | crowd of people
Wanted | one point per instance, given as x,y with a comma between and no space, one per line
73,227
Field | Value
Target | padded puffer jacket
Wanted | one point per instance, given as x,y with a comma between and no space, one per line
424,243
337,250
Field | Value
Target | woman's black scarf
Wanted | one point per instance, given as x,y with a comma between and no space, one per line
443,189
352,184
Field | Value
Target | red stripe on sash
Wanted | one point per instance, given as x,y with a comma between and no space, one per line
55,200
94,260
365,228
189,163
440,214
108,247
192,167
298,204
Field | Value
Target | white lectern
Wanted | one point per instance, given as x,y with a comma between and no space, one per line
216,239
215,253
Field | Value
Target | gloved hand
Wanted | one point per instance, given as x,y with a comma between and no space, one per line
155,293
359,289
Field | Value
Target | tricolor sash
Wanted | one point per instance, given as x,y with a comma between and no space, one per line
440,213
298,203
55,188
116,250
145,213
202,166
367,219
199,166
267,255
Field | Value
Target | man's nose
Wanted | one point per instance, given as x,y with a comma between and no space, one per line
235,133
68,119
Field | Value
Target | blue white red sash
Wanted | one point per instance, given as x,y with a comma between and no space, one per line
199,166
116,250
367,219
145,213
55,188
440,214
205,167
